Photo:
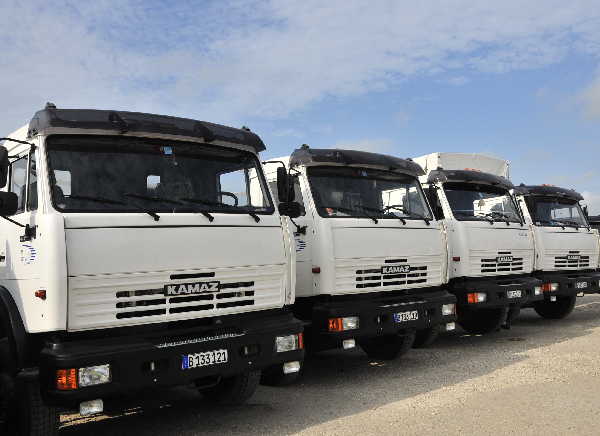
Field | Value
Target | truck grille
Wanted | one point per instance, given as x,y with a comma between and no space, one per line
121,299
573,260
369,275
500,262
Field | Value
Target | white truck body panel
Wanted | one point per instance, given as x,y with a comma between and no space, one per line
351,251
97,267
477,243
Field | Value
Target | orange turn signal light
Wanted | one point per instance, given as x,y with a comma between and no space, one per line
336,325
546,287
66,379
300,341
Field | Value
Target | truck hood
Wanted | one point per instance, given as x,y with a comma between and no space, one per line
565,249
117,273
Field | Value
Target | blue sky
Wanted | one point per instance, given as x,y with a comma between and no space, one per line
516,79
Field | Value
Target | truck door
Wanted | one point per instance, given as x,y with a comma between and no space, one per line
304,236
20,251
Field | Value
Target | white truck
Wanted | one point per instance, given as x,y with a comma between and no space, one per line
137,251
371,259
567,249
490,249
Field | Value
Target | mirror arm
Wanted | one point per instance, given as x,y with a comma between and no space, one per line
18,141
299,229
30,231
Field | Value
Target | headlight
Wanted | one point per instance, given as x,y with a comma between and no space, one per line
537,290
343,324
94,375
289,343
448,309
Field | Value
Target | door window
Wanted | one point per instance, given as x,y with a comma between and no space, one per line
18,177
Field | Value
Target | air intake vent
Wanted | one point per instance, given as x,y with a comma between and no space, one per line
396,272
234,294
504,262
572,260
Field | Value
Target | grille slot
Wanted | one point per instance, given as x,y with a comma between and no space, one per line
572,260
238,294
498,265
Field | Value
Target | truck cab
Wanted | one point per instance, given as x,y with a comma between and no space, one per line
490,248
137,251
370,258
567,248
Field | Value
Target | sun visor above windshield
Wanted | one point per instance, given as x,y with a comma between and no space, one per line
313,156
548,191
123,122
467,176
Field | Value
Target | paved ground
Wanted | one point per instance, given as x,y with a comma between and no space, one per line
540,377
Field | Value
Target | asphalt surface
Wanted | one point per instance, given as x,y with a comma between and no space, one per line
542,376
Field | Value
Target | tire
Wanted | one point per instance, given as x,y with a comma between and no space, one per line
235,390
387,347
558,309
274,376
34,417
426,337
482,321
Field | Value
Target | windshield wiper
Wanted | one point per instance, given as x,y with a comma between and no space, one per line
385,210
350,211
570,223
500,214
551,222
218,204
111,201
166,200
422,217
477,217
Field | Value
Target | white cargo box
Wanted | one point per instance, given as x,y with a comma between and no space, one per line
462,161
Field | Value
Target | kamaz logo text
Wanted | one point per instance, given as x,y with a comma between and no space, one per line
395,269
191,288
573,257
504,259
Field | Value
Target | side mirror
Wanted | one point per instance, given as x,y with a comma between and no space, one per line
291,209
4,163
9,203
285,191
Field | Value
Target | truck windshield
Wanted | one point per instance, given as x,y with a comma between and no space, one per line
368,193
470,202
556,212
125,174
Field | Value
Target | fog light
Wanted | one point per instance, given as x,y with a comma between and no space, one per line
448,309
342,324
476,297
291,367
289,343
537,290
450,326
348,343
94,375
92,407
553,298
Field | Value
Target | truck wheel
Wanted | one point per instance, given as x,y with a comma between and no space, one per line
387,347
235,390
426,337
482,321
555,309
274,376
34,418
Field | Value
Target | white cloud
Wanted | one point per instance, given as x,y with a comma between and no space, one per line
592,200
590,99
232,60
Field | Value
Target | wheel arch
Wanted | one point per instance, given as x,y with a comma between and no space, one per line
13,354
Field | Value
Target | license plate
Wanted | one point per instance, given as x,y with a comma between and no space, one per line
514,294
411,315
206,358
581,285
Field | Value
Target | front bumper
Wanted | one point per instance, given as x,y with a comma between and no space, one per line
155,360
499,291
376,317
570,283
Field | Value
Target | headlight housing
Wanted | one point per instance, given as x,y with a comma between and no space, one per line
343,324
289,343
94,375
448,309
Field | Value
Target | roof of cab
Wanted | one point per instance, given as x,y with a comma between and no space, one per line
469,176
315,156
548,191
122,121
